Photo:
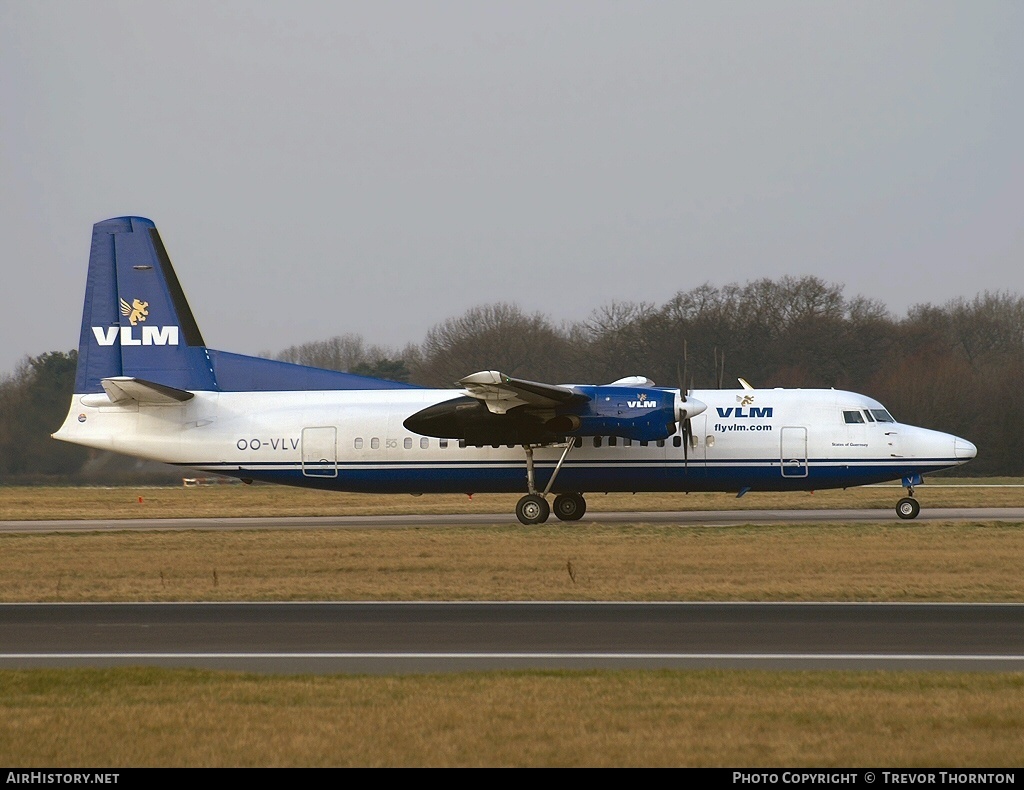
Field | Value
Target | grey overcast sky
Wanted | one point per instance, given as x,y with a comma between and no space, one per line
318,168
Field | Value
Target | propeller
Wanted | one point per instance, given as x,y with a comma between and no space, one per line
686,407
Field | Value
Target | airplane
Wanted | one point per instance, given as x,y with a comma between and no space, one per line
147,385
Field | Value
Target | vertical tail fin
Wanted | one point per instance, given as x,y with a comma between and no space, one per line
136,321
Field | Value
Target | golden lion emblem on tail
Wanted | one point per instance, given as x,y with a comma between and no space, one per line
136,311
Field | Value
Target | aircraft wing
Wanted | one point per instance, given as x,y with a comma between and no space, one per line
501,393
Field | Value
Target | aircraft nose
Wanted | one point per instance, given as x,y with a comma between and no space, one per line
963,449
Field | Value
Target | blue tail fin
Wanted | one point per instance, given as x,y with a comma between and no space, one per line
136,321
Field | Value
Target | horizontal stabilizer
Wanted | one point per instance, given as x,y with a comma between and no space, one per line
123,388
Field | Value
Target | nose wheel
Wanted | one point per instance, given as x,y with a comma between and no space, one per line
908,507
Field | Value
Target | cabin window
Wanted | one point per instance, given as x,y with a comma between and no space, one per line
853,417
597,441
462,443
443,444
644,443
677,441
661,442
882,415
627,442
408,443
374,443
359,443
424,443
612,441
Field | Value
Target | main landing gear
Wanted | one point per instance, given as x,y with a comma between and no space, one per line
534,508
908,507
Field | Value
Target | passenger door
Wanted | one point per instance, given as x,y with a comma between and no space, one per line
793,451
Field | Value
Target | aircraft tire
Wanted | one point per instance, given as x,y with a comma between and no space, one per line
533,509
569,507
908,508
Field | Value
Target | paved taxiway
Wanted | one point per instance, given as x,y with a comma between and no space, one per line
722,518
442,637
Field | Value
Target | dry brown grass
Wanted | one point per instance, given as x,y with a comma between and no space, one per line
931,561
220,501
706,718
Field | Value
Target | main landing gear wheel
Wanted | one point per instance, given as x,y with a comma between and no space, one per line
908,507
533,509
570,507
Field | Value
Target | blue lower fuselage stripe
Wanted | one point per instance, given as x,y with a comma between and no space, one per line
509,477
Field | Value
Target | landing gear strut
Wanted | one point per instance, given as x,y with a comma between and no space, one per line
534,509
908,507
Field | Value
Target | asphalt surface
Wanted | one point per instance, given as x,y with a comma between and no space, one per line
444,637
683,518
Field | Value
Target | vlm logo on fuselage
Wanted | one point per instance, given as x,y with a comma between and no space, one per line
739,411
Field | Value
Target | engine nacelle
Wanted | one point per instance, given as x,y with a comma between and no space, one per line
639,413
643,414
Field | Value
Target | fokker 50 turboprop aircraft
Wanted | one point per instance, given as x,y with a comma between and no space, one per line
148,386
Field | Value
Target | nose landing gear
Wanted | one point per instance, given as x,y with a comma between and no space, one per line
908,507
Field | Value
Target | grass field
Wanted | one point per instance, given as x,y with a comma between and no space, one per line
933,561
149,717
146,716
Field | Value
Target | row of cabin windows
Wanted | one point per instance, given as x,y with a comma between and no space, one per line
856,416
611,441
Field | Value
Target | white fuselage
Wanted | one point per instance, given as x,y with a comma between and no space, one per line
355,440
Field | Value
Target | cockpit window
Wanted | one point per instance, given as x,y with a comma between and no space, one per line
852,417
882,415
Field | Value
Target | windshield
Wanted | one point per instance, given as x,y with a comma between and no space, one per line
881,415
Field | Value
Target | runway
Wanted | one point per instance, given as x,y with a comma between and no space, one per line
388,638
705,518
